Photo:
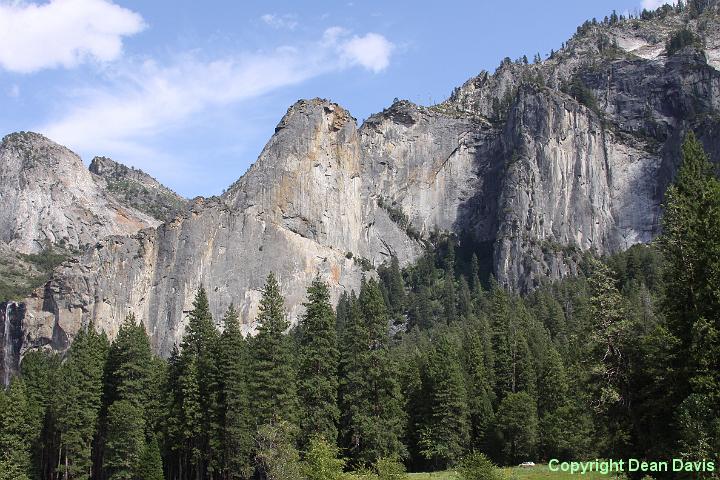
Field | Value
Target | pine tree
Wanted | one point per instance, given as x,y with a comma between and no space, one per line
609,338
514,370
237,435
560,425
317,374
16,433
273,384
129,365
341,313
192,437
79,401
446,433
352,398
130,398
475,273
465,306
396,287
478,362
125,445
38,371
173,432
691,245
517,424
372,418
449,299
151,467
199,348
412,362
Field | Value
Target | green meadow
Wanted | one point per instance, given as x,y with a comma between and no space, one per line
539,472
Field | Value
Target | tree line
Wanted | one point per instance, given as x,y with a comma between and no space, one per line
420,369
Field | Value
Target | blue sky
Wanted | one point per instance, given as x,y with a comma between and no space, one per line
191,91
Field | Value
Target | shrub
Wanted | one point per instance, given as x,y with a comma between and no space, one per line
390,469
681,39
322,462
276,457
477,466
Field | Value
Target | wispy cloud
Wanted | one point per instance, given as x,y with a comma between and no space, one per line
62,33
13,91
654,4
286,21
140,100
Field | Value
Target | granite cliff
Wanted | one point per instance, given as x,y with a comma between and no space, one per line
538,162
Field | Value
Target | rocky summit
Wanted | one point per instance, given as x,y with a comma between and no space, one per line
535,163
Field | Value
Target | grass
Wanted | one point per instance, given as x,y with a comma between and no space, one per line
538,472
449,475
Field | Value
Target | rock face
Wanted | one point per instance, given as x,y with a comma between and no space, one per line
50,198
11,316
137,189
538,162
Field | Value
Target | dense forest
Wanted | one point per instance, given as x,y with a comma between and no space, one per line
420,369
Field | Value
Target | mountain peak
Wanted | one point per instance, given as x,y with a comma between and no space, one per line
316,108
137,189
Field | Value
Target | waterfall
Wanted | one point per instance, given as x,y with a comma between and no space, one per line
7,344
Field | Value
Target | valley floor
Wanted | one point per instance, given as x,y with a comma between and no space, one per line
539,472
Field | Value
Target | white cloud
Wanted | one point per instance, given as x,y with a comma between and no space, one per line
371,51
142,100
655,4
286,21
62,33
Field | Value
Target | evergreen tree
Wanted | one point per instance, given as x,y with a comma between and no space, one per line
609,338
465,306
449,299
79,402
514,370
393,280
478,362
517,424
237,435
475,273
384,422
16,433
129,365
446,433
273,385
317,374
125,440
198,353
413,361
38,371
341,313
691,246
173,428
373,419
192,414
352,398
151,467
129,400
